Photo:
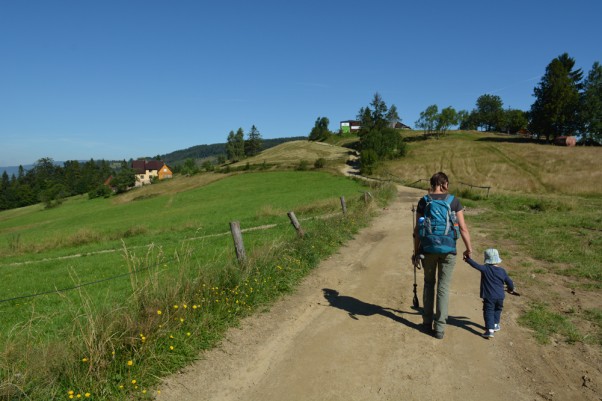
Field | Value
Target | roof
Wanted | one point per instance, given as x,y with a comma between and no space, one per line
142,166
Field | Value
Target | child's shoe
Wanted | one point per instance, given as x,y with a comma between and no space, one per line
487,334
496,327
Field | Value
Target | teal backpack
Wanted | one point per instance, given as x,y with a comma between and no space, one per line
439,230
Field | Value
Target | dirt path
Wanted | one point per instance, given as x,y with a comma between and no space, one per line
365,343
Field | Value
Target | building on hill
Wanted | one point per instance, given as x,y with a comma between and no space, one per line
349,126
146,170
399,125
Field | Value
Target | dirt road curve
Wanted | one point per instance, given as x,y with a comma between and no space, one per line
365,343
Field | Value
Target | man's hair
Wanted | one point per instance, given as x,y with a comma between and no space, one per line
439,178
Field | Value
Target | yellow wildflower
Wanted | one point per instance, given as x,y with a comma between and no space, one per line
130,363
159,312
87,395
134,381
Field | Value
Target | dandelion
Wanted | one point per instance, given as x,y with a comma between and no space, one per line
184,306
70,392
87,395
143,391
130,363
159,312
121,387
134,381
181,320
71,396
175,306
188,334
171,336
84,359
79,396
194,306
158,391
171,347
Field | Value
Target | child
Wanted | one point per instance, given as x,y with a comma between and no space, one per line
493,278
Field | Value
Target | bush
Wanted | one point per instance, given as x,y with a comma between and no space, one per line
302,166
320,163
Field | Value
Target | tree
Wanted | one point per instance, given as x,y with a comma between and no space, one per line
489,112
235,146
592,105
124,179
467,120
376,133
189,167
555,111
514,120
253,143
428,119
320,131
446,119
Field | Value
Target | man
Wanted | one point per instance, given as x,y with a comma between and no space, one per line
439,250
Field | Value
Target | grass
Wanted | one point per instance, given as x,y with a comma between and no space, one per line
547,324
179,288
542,212
505,163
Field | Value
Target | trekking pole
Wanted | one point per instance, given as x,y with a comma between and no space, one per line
415,262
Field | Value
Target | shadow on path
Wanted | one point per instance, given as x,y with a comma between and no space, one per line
355,307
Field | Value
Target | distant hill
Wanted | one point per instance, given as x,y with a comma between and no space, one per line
10,170
179,156
216,149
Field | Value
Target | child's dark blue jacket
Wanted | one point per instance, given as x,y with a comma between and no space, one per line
493,279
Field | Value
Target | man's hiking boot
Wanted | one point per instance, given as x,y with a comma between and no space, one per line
487,334
439,335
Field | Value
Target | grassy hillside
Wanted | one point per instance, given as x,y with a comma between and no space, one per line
289,154
506,163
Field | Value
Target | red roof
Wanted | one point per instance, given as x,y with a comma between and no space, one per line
142,166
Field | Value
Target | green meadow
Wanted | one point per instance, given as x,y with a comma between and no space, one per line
97,291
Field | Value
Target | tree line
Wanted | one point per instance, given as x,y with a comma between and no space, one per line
565,104
50,183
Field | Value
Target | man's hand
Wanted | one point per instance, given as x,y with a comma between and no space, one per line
416,260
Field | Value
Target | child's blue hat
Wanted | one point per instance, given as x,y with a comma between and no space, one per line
492,257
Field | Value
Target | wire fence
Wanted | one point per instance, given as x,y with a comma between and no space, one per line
118,276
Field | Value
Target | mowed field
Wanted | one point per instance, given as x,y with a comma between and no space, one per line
507,164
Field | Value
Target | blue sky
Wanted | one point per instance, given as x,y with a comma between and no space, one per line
123,79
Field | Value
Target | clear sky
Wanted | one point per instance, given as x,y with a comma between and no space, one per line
121,79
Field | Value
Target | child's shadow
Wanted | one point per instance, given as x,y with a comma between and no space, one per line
354,308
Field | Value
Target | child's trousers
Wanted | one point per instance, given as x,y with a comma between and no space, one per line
492,312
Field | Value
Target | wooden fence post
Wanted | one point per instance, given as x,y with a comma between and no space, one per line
367,197
238,243
343,205
295,223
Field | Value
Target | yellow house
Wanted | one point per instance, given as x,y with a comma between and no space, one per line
146,170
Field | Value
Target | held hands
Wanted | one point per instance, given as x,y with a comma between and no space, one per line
466,254
416,260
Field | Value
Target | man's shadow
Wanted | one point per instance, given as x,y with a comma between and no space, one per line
354,308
